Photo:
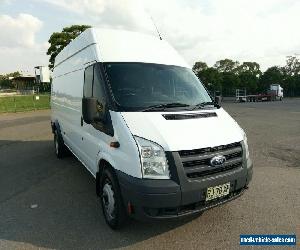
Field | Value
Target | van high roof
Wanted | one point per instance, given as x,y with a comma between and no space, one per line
123,46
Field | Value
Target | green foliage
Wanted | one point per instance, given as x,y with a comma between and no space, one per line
272,75
249,73
292,66
226,65
59,40
5,81
291,76
210,76
227,75
199,67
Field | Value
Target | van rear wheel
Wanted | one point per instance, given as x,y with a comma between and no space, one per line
111,200
59,145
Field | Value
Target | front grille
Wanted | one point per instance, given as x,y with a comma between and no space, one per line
196,163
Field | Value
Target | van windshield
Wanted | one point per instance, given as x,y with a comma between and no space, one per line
138,86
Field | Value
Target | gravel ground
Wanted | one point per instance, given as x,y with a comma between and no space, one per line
50,203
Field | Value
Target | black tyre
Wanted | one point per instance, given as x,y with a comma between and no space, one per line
59,145
111,200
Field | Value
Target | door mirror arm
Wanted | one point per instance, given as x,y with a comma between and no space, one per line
218,100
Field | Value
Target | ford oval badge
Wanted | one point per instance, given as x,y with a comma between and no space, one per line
217,160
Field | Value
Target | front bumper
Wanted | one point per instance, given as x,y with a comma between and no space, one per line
179,196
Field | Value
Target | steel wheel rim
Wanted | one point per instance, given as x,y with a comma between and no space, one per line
108,201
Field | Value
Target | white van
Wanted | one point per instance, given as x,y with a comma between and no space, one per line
136,116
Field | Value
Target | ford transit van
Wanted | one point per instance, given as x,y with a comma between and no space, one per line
133,112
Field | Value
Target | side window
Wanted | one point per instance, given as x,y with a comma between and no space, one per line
88,81
98,91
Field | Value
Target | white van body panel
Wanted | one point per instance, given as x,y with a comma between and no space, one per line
88,144
120,46
76,52
175,135
127,46
182,188
126,158
67,91
91,145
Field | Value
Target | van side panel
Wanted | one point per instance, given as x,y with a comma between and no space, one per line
66,96
87,143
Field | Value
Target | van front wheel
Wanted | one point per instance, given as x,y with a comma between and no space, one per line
111,200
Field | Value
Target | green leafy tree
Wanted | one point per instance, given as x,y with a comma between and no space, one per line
292,66
209,76
5,81
230,82
249,73
273,75
249,67
59,40
297,85
291,75
249,82
199,67
229,79
227,75
226,65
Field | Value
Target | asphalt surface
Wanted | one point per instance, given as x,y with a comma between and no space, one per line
51,203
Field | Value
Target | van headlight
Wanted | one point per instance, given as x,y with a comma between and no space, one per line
153,159
246,146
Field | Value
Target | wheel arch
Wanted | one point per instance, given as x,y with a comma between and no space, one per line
55,126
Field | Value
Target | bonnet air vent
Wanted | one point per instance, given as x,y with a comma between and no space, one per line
188,116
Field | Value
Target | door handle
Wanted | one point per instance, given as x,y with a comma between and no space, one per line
81,121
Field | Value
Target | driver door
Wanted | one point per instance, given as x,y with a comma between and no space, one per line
93,139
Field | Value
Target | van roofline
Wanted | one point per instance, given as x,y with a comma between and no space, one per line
123,46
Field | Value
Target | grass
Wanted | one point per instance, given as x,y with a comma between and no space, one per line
24,103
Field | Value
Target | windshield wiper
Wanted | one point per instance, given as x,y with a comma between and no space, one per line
204,104
164,106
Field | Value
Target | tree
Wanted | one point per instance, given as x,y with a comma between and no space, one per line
291,75
226,65
229,82
292,66
249,73
248,81
199,67
209,76
249,67
227,75
59,40
272,75
5,81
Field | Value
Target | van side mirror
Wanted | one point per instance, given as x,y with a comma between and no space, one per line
92,110
218,100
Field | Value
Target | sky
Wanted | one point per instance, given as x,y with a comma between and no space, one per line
265,31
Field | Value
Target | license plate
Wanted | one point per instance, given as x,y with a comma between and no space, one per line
217,191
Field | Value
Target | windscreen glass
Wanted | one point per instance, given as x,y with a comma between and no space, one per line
136,86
